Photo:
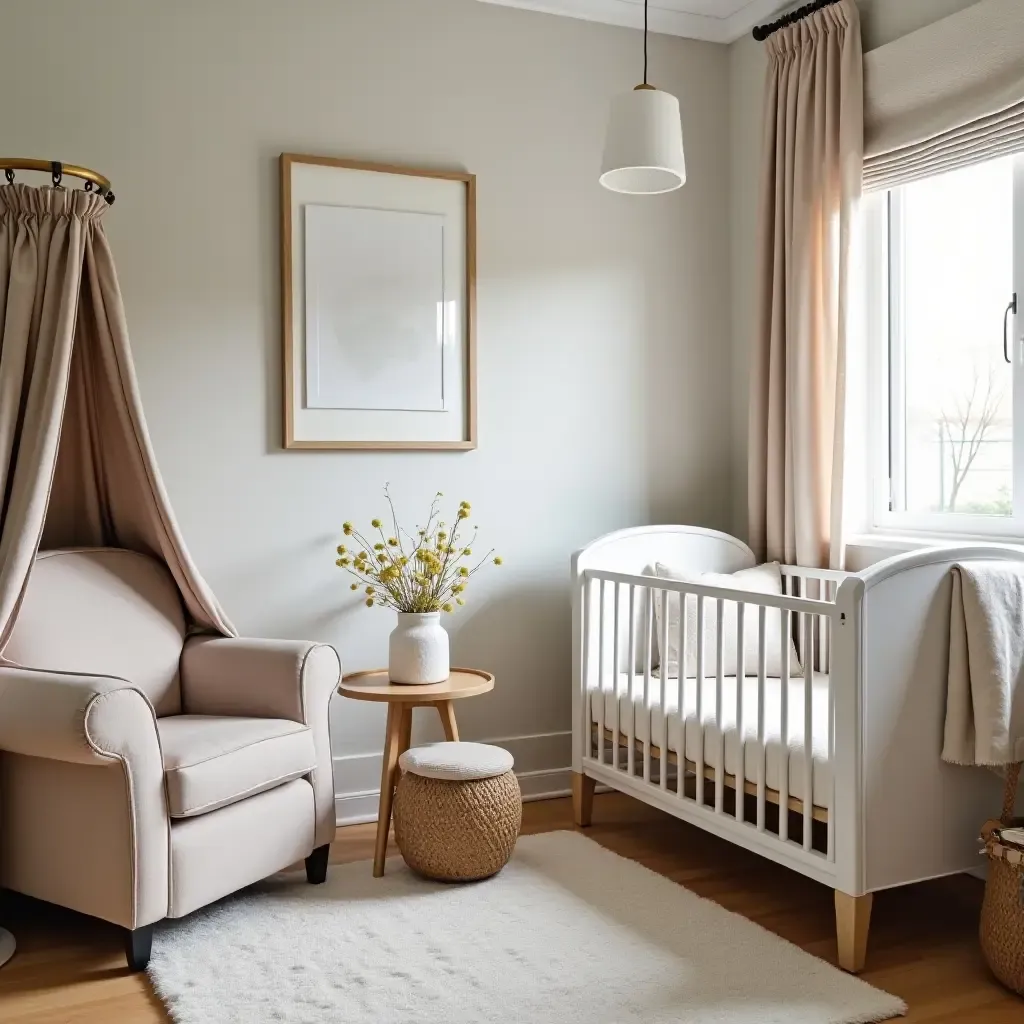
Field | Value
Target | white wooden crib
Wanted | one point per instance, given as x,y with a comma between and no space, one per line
861,801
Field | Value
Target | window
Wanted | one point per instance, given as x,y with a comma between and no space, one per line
951,451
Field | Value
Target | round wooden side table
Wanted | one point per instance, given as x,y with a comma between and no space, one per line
401,699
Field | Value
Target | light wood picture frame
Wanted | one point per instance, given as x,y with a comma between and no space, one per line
378,301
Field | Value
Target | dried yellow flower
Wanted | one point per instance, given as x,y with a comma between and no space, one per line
375,523
459,601
463,571
369,602
369,590
355,586
446,607
498,560
341,549
393,541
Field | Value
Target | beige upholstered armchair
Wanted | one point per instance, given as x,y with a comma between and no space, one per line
145,773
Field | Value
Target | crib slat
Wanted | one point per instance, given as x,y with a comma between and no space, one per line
616,737
699,759
719,717
786,639
600,673
762,747
830,848
648,642
587,711
741,768
631,722
680,708
808,731
663,666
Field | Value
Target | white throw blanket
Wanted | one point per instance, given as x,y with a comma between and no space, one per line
985,699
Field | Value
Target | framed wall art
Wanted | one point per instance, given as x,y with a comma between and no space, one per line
378,276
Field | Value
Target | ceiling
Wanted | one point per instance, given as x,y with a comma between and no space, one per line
717,21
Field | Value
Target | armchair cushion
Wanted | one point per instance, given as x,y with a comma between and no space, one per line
212,761
103,611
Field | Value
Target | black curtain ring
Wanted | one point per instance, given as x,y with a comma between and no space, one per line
56,172
87,187
9,175
109,198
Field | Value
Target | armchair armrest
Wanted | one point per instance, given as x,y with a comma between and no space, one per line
99,721
249,678
288,679
82,719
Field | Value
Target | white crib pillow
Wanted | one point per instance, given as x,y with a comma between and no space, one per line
762,579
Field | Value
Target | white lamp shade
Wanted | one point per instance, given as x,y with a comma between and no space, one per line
643,152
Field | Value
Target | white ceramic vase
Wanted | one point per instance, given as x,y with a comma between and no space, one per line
418,649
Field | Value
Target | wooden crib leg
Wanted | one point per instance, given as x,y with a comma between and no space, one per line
853,919
582,798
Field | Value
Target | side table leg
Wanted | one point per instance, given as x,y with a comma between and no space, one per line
388,778
446,709
405,733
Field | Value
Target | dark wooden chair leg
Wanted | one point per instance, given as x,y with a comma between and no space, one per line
138,945
316,865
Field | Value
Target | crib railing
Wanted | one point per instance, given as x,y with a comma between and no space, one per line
620,616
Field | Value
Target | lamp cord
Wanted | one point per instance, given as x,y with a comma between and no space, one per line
645,41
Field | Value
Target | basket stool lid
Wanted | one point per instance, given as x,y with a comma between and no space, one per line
457,762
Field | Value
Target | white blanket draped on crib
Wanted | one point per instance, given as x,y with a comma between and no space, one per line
985,696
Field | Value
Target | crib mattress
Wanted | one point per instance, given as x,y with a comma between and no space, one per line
774,751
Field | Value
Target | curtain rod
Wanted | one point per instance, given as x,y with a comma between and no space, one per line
57,170
762,32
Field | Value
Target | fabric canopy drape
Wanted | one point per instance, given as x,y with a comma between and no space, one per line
946,96
76,465
810,182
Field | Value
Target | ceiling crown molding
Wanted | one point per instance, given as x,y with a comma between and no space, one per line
668,17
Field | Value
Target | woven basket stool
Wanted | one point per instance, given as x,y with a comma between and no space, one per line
457,810
1002,913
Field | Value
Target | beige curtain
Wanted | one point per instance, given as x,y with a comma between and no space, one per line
810,182
76,464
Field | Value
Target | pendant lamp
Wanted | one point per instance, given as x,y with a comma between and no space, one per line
643,151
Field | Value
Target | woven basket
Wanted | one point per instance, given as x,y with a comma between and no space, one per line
1002,913
457,831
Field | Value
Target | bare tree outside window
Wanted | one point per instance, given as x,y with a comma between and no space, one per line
964,427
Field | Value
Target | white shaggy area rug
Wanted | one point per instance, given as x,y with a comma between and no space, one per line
568,933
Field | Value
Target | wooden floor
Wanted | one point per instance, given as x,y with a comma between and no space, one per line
70,969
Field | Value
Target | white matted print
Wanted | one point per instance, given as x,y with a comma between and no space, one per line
378,295
375,327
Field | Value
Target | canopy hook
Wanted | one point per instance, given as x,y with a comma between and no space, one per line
56,172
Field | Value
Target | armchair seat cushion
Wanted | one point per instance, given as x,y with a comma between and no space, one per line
212,761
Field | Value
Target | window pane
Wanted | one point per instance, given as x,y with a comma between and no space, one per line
957,278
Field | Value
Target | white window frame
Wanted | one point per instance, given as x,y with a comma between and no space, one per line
883,332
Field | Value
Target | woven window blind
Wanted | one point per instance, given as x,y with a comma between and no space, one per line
946,96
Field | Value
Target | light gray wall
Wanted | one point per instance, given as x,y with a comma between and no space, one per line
882,22
603,320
